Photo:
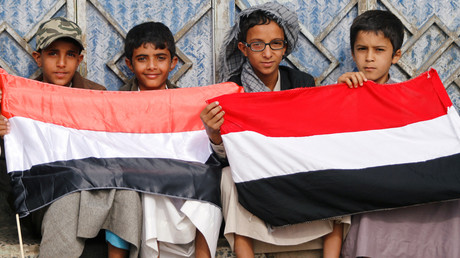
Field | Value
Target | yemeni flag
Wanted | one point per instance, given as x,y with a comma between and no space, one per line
64,140
317,153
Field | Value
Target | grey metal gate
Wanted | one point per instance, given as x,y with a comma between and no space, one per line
432,35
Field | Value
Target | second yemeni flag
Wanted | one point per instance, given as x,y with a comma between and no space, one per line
64,140
308,154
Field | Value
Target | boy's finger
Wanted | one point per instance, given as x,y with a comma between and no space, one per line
220,123
354,81
213,104
217,118
209,107
209,112
349,82
362,78
210,116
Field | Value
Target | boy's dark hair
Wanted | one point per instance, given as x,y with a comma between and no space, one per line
155,33
378,21
258,17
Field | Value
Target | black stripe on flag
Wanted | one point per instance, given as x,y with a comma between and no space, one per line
309,196
45,183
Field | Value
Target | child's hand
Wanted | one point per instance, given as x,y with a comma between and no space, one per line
352,79
213,118
4,126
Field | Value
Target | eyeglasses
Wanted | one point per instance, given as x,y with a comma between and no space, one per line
259,46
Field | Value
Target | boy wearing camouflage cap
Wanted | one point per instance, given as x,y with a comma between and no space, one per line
66,223
58,53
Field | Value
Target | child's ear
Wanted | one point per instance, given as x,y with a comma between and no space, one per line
396,56
173,63
36,55
243,48
129,64
80,58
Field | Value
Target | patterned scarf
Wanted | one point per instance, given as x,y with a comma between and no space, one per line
250,81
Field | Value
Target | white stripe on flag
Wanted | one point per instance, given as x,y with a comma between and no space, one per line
254,156
39,143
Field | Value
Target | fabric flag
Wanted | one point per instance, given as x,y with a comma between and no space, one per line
64,140
318,153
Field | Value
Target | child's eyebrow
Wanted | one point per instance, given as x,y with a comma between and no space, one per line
56,49
145,55
380,46
260,40
362,45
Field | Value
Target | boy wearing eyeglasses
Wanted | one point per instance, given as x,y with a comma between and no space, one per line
252,52
262,43
251,57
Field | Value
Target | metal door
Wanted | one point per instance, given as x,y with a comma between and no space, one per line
432,36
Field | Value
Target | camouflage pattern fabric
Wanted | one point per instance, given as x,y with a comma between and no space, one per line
57,28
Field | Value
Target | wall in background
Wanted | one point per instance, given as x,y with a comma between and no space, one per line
432,36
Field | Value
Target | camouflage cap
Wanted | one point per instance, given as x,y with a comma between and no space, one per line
57,28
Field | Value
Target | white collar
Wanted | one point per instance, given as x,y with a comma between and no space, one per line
139,89
278,82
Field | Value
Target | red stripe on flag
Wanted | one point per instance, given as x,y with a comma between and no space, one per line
336,108
164,111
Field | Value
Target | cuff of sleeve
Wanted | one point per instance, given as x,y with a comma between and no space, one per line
219,149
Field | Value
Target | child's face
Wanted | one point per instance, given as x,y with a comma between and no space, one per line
151,66
373,55
266,62
59,61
